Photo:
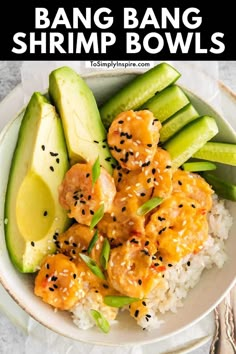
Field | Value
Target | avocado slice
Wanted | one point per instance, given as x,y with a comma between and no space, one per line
33,216
84,131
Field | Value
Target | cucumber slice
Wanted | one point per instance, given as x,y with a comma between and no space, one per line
177,122
197,166
218,152
138,91
166,103
224,189
190,139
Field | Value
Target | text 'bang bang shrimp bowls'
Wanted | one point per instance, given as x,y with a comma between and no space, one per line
117,206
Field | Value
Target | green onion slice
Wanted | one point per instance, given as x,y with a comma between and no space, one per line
104,257
149,205
119,301
198,166
97,217
93,241
96,170
100,320
92,266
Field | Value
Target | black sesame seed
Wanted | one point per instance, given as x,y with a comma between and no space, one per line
113,165
136,313
96,291
153,171
43,147
57,160
51,168
188,263
129,136
83,202
142,194
180,183
120,121
83,211
45,213
117,149
104,146
84,251
146,243
123,209
122,142
108,159
74,244
96,142
140,281
156,264
119,179
74,276
105,286
193,205
180,206
73,252
55,286
170,265
134,240
32,243
51,289
168,166
66,242
149,180
47,275
89,197
87,175
147,315
91,212
160,258
149,145
144,303
114,218
54,278
53,153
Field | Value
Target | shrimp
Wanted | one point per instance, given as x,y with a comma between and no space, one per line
81,197
76,240
130,269
133,137
58,282
123,221
194,186
178,227
151,181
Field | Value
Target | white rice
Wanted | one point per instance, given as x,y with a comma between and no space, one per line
168,295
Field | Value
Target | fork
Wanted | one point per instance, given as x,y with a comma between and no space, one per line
224,341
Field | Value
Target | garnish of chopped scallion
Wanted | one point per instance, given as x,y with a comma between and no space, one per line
96,170
93,241
149,205
97,217
92,266
119,301
104,257
100,320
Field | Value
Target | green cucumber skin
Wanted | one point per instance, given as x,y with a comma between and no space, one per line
166,103
190,139
218,152
223,189
176,122
138,91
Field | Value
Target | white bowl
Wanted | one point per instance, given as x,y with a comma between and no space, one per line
211,289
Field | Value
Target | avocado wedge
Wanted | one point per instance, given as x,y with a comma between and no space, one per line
84,131
33,216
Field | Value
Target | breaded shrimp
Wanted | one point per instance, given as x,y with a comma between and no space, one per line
178,227
133,137
130,268
58,282
80,197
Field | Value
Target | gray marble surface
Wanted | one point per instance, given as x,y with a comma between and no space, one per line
12,338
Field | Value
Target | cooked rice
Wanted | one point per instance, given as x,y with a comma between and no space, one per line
168,295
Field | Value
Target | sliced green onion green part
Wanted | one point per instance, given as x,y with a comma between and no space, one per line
104,257
92,266
93,241
149,205
97,217
119,301
96,170
100,320
199,166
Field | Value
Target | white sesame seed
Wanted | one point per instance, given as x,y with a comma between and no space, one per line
137,154
130,223
122,264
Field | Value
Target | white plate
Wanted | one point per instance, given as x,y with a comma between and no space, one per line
214,284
